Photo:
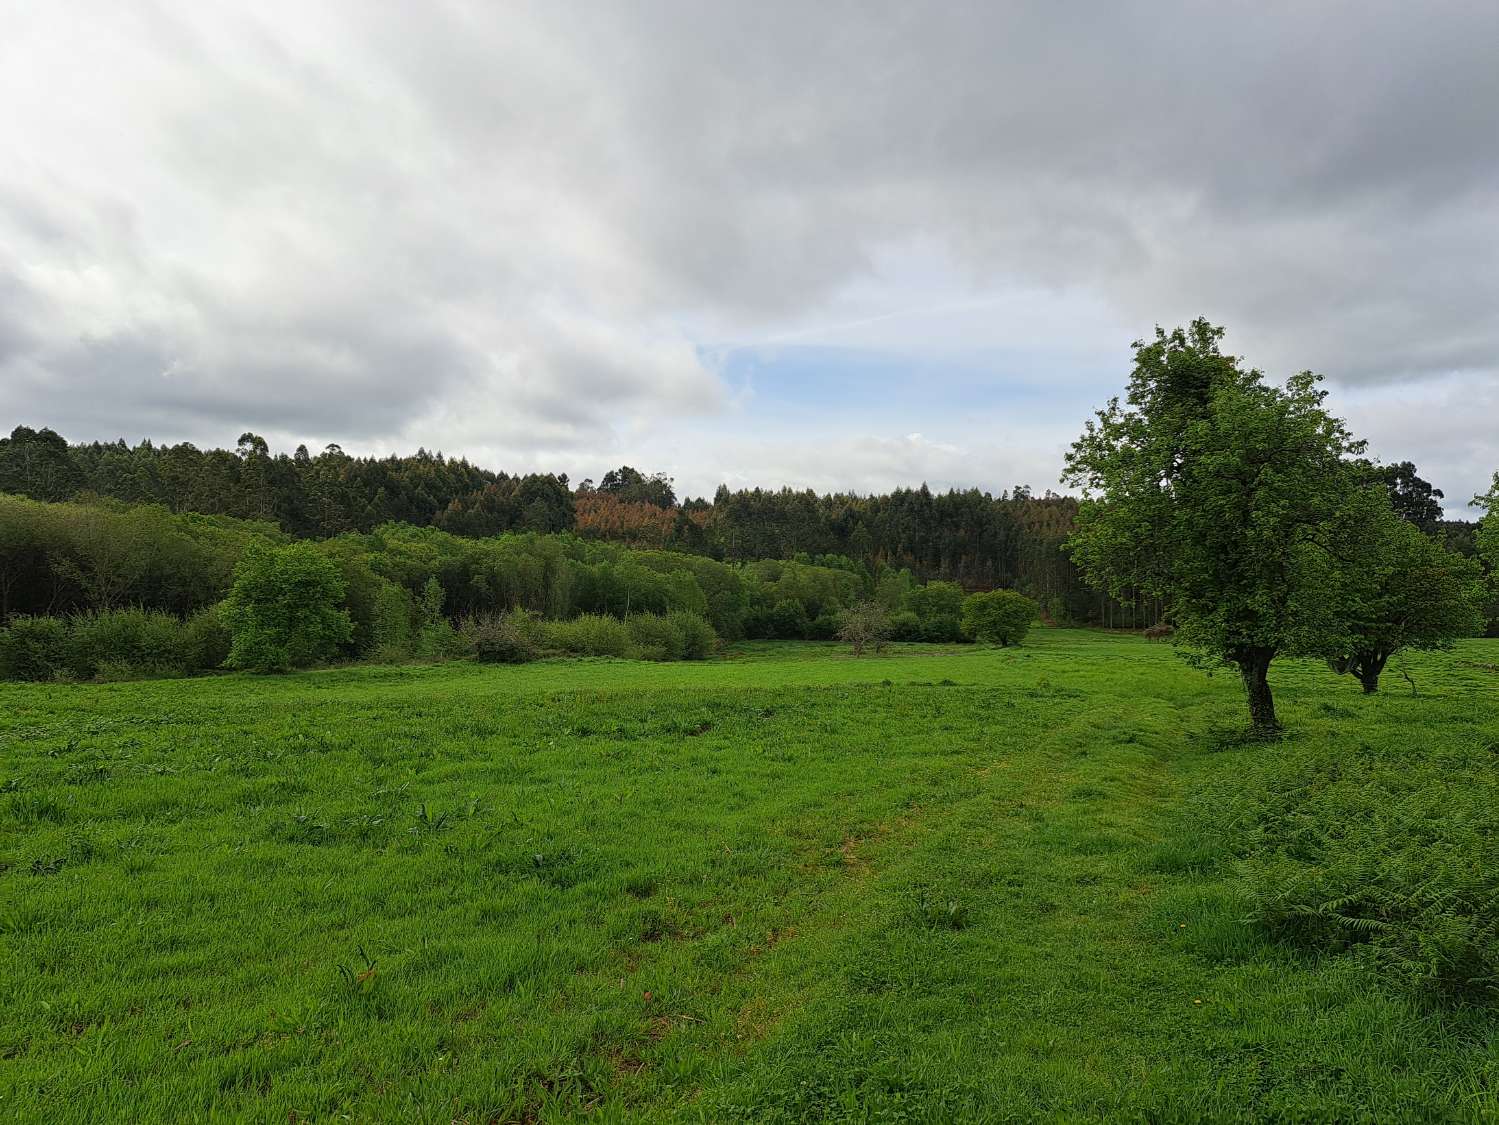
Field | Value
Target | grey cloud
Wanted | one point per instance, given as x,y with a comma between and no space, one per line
513,227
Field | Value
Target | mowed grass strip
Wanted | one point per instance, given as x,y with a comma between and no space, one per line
938,884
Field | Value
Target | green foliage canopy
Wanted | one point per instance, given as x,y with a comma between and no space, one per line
1222,495
1000,617
1411,593
285,609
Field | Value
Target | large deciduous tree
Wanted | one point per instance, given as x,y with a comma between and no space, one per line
1219,494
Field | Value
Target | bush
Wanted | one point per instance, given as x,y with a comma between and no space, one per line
592,634
285,609
935,600
699,641
392,616
1000,617
205,640
656,638
789,620
497,638
943,628
823,627
1385,855
33,648
121,644
905,626
133,643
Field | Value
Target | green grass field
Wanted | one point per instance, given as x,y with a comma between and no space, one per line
935,885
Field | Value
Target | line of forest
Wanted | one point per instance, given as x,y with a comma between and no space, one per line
978,540
102,588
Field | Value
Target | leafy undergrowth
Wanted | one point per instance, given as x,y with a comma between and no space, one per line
1385,852
933,885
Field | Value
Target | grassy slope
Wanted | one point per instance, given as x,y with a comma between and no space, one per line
935,885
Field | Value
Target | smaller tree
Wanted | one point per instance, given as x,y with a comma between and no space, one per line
866,625
1486,541
1487,538
1415,594
285,609
1000,617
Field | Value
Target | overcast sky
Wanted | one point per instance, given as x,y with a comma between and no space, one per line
840,245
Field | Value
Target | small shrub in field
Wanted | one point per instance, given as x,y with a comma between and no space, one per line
436,639
33,648
440,641
592,634
698,637
865,626
656,638
285,609
497,638
1000,617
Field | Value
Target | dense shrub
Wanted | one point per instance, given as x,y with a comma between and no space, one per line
787,621
33,648
436,639
698,637
112,644
723,587
942,628
285,609
127,643
1392,857
391,631
497,638
656,638
1000,617
363,592
206,640
823,627
905,626
935,600
592,634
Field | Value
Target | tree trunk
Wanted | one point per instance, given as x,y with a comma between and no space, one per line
1369,668
1254,666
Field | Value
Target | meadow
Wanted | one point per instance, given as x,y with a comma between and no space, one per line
942,883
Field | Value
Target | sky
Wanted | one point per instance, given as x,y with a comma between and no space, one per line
844,246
